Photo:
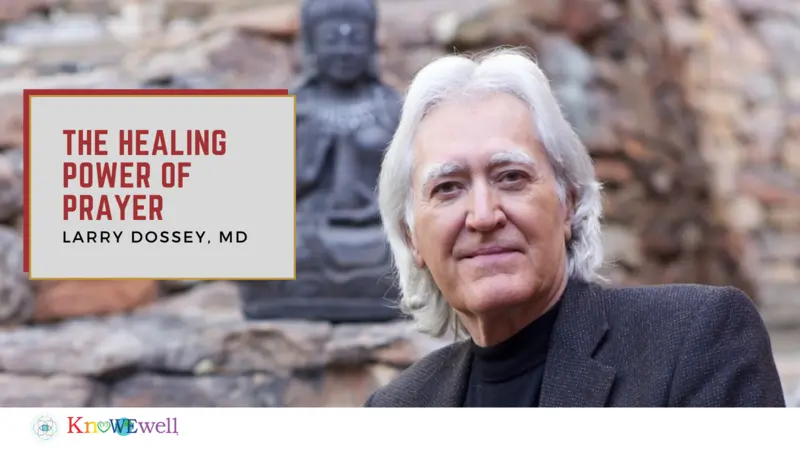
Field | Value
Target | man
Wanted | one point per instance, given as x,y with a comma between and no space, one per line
492,210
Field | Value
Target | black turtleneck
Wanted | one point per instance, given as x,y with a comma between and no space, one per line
510,373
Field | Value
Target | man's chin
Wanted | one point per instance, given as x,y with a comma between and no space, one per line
498,292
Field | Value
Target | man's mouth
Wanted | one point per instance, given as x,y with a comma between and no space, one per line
490,251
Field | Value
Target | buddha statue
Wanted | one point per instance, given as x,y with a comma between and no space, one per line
345,119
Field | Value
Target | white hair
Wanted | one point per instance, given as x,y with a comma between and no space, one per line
503,71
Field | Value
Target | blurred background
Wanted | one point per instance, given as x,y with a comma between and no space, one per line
691,110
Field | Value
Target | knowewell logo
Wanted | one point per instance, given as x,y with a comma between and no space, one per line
45,427
122,426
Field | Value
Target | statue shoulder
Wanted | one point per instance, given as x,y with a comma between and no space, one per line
302,95
389,93
391,102
300,85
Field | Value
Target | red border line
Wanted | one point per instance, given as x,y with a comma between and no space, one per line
159,92
26,181
26,129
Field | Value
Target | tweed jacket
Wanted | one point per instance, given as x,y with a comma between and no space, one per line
669,345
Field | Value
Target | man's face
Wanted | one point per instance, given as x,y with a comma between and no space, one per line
488,221
343,49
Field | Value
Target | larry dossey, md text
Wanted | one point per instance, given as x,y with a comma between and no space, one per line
153,237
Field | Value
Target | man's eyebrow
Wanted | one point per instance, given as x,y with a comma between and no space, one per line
515,156
441,170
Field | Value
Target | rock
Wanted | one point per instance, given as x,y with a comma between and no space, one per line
790,155
762,88
484,26
63,29
770,186
13,10
682,32
281,21
248,61
80,347
570,70
613,171
615,203
226,57
780,245
11,126
187,335
99,7
134,20
785,219
338,387
58,391
207,302
781,308
75,58
445,28
395,344
791,87
402,64
757,9
174,286
185,81
185,362
11,96
582,18
149,390
784,272
544,12
11,184
102,347
19,224
780,36
57,300
746,214
11,119
273,347
564,61
16,294
621,246
765,127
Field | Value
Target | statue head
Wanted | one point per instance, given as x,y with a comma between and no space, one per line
338,38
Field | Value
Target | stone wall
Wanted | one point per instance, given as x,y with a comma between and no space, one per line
747,89
690,109
195,349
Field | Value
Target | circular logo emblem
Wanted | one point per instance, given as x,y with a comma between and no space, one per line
124,426
45,427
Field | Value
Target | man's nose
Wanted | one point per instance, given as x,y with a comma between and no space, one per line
485,213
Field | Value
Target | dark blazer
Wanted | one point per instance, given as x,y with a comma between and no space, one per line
671,345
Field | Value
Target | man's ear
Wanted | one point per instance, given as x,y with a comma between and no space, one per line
413,246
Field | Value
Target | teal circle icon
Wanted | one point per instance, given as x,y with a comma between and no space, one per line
124,426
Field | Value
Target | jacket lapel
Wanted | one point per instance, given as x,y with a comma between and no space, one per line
455,373
442,381
571,376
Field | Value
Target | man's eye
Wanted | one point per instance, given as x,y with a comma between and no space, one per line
445,188
512,176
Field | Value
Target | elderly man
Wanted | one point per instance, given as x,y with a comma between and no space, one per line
492,210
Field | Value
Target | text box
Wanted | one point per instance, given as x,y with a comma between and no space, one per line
160,184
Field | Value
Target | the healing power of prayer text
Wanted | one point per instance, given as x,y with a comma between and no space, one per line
130,174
